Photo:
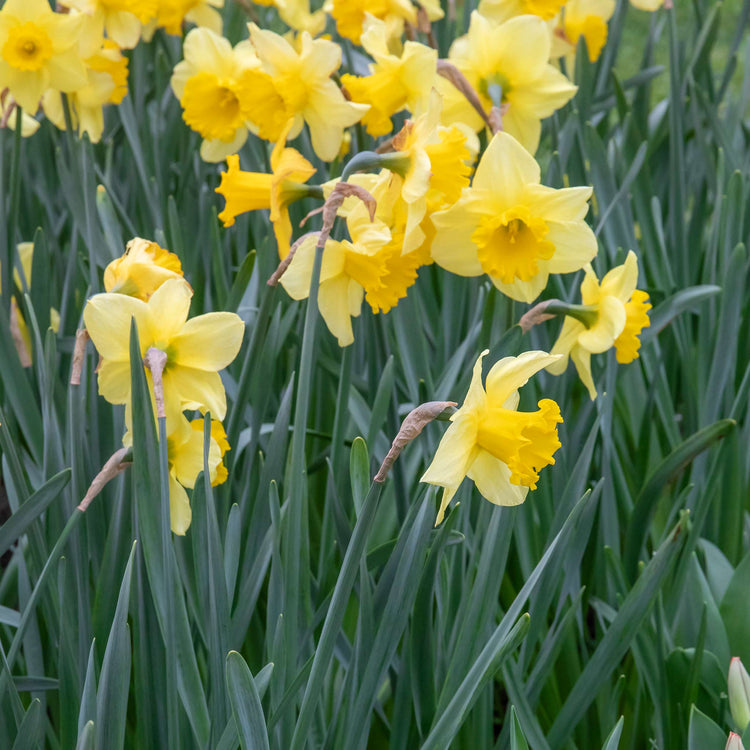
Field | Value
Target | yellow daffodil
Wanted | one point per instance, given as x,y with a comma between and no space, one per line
501,10
499,448
511,227
120,20
302,89
185,458
350,269
38,51
395,82
508,66
19,329
296,14
141,270
214,91
617,312
249,191
587,19
107,83
8,115
196,349
172,14
351,15
218,436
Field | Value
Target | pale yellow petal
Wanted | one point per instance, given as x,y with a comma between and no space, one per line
582,360
114,381
107,318
454,454
565,204
575,245
492,478
215,151
336,307
567,339
505,169
179,507
452,247
168,307
622,280
200,389
524,291
609,324
208,342
511,373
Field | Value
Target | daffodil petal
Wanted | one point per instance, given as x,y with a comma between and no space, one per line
511,373
114,381
505,168
193,386
609,324
169,306
180,514
107,318
454,454
492,478
208,342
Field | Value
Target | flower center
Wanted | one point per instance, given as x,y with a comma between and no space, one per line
211,107
28,47
510,245
495,88
524,441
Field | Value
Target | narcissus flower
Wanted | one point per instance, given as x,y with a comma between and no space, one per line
502,10
511,227
196,349
350,270
508,65
38,51
499,448
120,20
9,115
141,270
218,436
395,82
302,89
617,313
351,15
296,14
19,329
107,83
587,19
249,191
214,91
172,14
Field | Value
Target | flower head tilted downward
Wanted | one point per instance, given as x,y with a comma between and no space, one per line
501,449
618,312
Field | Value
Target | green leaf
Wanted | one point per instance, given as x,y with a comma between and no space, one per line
517,737
114,679
246,707
704,733
32,509
359,473
613,741
735,610
31,731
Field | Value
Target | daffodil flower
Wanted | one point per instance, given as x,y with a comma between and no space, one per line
501,10
121,20
499,448
350,269
196,349
38,51
107,83
215,91
395,82
508,66
587,19
618,313
511,227
351,15
304,89
141,270
297,15
250,191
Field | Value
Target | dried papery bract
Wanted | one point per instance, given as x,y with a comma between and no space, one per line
79,352
411,427
115,465
451,73
155,359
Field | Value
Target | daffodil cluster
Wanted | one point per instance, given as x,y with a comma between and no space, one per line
146,285
424,121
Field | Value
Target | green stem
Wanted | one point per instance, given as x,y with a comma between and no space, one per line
297,517
586,314
15,199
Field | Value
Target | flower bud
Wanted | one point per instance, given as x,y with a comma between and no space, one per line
734,742
739,693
